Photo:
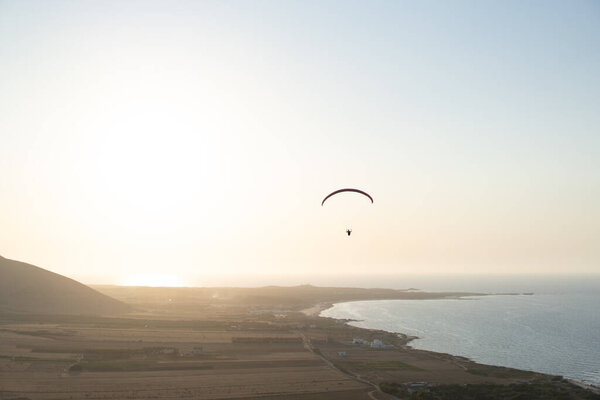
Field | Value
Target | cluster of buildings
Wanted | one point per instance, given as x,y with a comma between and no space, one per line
375,344
196,351
412,387
165,352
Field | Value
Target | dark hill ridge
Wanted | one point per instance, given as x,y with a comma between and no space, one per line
27,288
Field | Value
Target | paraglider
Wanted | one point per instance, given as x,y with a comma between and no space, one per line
347,190
348,230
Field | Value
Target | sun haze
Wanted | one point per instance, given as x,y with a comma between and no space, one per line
152,143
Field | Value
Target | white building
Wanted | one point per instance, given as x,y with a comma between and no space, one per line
377,344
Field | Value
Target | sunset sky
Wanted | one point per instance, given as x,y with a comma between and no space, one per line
145,141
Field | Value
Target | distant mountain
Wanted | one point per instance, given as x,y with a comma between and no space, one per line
27,288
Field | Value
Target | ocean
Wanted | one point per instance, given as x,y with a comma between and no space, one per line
556,330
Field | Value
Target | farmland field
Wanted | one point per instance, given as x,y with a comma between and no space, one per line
224,349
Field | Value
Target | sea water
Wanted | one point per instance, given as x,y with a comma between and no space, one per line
556,330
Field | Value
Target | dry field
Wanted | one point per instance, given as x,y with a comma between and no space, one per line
407,365
211,384
36,362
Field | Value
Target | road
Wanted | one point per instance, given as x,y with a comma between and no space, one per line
376,394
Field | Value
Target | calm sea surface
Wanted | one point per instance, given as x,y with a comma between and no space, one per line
556,330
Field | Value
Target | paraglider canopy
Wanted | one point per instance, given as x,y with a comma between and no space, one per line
347,190
348,230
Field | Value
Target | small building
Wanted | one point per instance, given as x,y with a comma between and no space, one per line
197,350
341,353
377,344
417,386
360,341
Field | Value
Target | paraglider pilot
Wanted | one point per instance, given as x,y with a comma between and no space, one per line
348,230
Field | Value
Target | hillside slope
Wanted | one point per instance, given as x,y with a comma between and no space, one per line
27,288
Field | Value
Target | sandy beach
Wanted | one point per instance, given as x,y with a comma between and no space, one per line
316,310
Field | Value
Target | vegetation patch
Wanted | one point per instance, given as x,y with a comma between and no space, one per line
382,365
521,391
116,354
35,359
499,372
266,339
135,365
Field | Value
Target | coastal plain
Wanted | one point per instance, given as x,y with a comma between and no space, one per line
224,343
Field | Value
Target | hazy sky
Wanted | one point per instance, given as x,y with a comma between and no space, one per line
193,138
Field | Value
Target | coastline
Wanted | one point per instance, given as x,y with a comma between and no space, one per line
584,385
408,338
317,309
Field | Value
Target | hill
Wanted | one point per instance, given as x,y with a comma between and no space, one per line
27,288
207,301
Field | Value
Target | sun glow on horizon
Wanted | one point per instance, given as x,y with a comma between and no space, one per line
154,280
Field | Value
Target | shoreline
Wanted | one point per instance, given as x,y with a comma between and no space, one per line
311,311
584,385
317,309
